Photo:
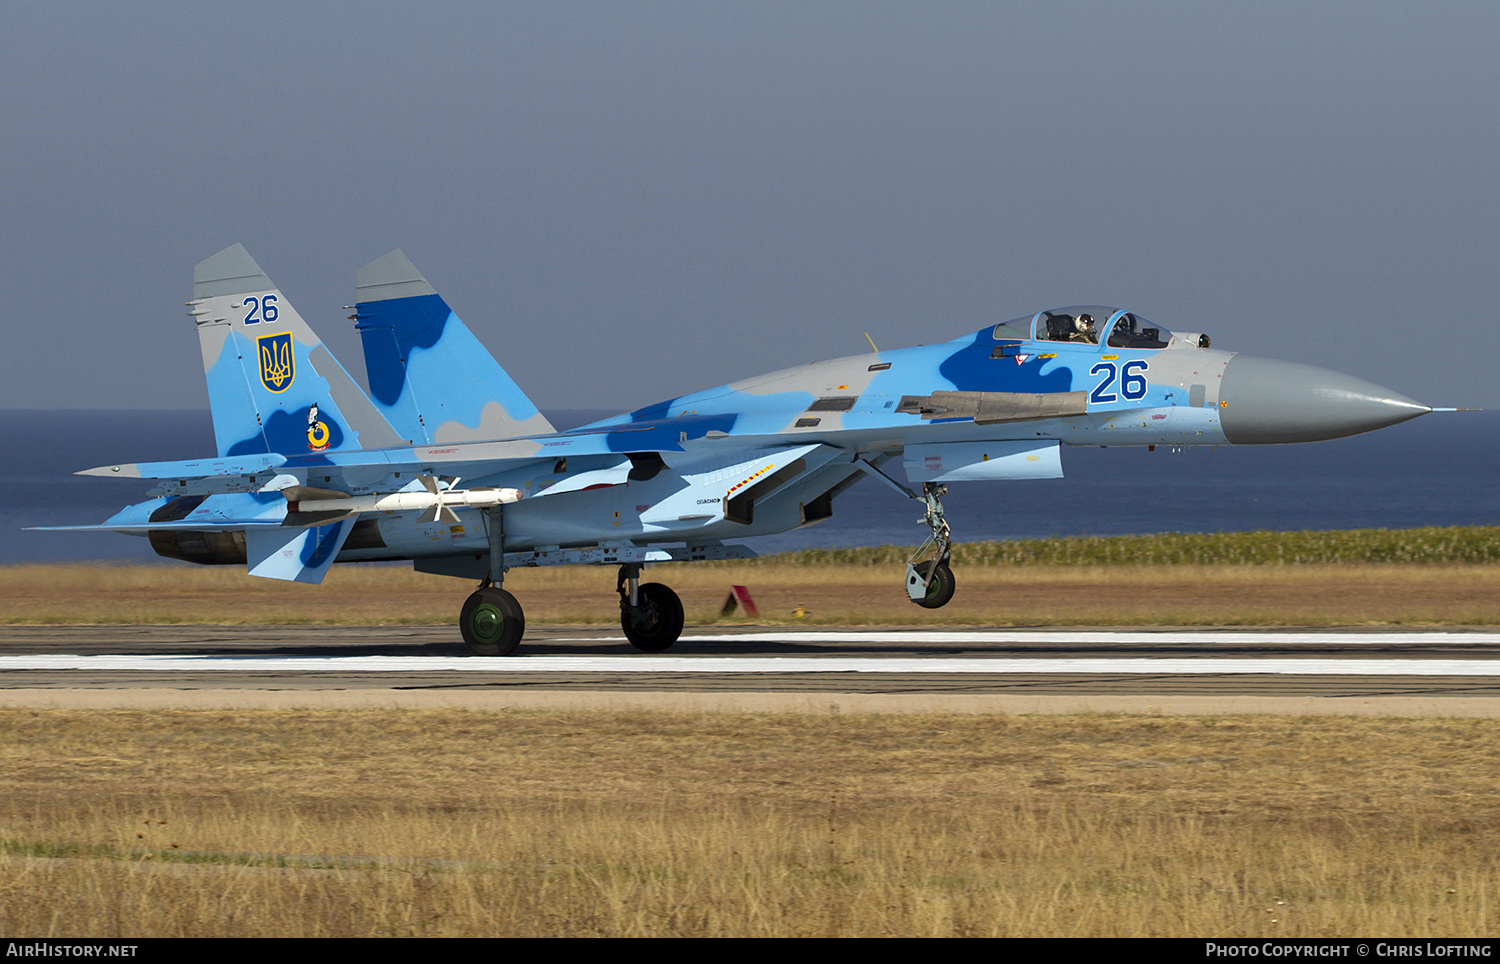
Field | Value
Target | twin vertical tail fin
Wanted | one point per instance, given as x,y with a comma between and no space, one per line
430,377
272,385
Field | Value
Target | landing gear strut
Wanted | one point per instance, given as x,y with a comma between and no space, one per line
492,621
930,583
650,614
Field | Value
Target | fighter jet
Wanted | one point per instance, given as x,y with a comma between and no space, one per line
448,464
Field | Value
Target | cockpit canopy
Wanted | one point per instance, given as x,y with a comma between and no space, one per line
1086,324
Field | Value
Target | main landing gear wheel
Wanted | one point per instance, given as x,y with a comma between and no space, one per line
492,622
656,622
940,589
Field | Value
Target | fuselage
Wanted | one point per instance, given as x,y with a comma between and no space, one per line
770,453
447,463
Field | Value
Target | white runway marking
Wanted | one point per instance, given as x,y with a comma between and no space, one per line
649,664
1175,637
728,664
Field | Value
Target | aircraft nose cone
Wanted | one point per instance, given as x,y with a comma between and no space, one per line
1267,401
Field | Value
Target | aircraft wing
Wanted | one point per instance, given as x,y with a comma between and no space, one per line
197,469
356,470
359,470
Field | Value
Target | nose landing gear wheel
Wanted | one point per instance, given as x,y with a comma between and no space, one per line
930,584
655,624
492,622
940,590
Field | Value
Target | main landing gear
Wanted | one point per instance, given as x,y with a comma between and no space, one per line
930,583
492,621
651,615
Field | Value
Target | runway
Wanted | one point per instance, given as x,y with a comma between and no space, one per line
1013,670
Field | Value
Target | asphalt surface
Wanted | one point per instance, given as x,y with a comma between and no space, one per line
1127,663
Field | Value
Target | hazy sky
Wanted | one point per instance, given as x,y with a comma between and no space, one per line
628,201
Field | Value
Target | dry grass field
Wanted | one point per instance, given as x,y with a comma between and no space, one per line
425,823
570,823
834,594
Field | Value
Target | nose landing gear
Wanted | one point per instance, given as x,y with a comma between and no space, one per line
930,583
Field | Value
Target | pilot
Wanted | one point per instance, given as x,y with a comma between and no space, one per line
1083,329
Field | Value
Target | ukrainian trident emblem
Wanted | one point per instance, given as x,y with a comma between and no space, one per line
276,365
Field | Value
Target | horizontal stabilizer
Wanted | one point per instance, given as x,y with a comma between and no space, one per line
197,469
142,528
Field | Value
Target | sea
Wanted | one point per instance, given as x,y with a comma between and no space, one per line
1438,470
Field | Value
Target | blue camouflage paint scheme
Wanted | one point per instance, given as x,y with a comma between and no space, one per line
138,514
286,433
283,420
427,369
971,368
390,331
667,433
758,456
321,543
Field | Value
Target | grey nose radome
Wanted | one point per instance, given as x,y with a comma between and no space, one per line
1264,401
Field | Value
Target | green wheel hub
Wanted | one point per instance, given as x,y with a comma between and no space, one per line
487,623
